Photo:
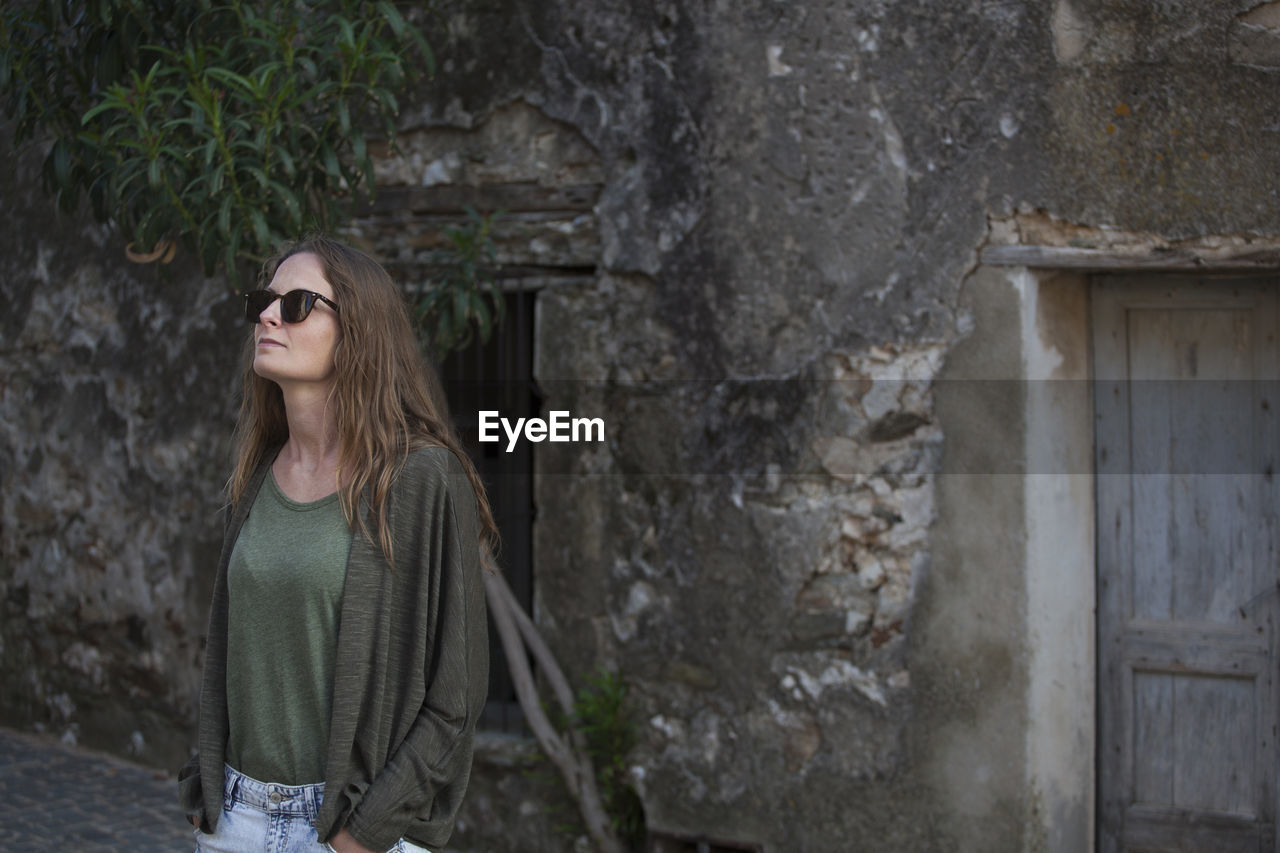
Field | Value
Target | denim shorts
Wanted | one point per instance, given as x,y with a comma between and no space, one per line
263,816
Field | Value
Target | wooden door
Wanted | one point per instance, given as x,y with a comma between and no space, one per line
1186,449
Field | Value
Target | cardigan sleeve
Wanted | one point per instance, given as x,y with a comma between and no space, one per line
190,793
425,776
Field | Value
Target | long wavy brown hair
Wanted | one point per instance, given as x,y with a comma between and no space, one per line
387,399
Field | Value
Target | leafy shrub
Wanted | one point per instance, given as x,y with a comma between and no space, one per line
224,128
600,713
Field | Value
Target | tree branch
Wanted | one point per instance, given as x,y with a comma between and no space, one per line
519,637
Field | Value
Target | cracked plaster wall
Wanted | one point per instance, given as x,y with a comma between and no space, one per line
791,199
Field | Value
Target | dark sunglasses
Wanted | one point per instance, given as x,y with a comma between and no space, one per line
294,305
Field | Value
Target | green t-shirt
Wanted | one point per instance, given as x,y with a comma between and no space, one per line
284,582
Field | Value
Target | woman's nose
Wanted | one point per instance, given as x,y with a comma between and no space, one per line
270,315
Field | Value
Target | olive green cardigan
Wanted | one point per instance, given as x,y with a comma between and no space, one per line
411,673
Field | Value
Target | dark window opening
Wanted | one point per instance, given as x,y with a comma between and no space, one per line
498,376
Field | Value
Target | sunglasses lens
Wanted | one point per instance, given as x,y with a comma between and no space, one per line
255,302
296,305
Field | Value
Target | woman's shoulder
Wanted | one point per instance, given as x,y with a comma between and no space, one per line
433,476
432,462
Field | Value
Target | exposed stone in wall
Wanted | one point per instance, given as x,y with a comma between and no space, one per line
747,555
1070,32
539,174
1035,239
1254,38
515,144
845,546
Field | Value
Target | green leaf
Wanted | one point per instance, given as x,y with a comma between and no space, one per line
331,162
258,175
480,311
460,306
286,161
348,36
91,114
260,230
290,202
394,18
445,339
224,216
387,101
61,156
231,78
218,178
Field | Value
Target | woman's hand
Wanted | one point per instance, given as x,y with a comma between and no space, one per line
345,842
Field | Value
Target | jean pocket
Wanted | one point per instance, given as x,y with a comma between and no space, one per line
403,846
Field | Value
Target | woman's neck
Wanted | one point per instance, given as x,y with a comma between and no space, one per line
313,444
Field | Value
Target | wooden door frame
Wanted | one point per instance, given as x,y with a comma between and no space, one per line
1059,502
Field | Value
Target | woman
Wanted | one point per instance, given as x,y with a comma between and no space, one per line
346,662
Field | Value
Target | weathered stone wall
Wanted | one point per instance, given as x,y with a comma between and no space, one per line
793,198
761,262
116,393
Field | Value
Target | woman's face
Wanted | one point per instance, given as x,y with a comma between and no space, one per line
297,353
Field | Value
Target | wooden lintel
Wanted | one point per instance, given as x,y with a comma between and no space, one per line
506,283
1184,259
454,199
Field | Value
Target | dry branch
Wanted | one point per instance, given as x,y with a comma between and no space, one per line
520,638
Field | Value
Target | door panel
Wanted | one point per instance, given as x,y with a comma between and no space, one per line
1185,375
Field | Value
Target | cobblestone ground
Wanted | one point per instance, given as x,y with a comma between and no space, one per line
60,798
